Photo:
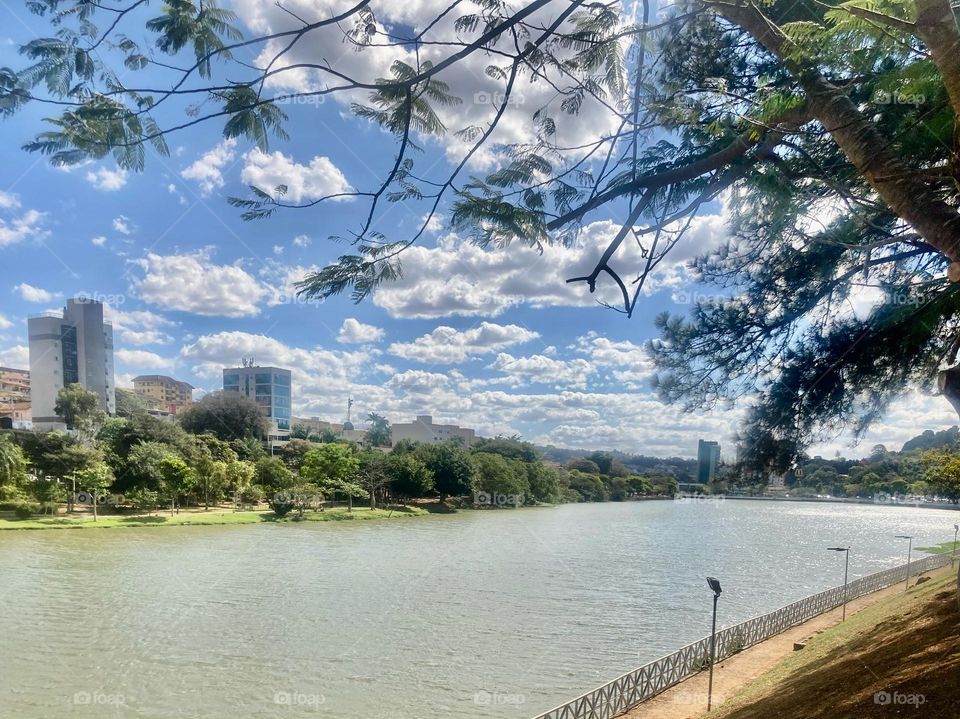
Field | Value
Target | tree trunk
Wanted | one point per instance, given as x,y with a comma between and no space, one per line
94,493
373,498
349,501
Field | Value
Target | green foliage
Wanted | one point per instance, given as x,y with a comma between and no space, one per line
13,465
450,465
410,477
226,415
81,410
379,433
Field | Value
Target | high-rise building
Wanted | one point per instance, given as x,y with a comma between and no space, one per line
163,393
270,388
708,457
75,347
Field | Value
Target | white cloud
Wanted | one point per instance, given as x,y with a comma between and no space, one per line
192,283
207,171
538,369
301,241
138,327
353,331
304,182
26,226
5,324
122,225
456,277
17,356
142,359
29,293
99,241
446,345
107,180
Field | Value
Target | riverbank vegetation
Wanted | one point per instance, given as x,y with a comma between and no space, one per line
130,466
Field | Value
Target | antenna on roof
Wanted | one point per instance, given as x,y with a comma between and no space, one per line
247,362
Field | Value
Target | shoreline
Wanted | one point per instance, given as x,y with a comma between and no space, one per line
745,670
203,518
844,500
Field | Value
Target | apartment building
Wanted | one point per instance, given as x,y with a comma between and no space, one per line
165,393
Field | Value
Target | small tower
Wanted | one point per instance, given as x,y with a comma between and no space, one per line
348,425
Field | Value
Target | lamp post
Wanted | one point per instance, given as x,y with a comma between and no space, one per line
846,567
956,529
906,584
714,584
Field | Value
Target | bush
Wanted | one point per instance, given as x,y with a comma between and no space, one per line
25,511
281,504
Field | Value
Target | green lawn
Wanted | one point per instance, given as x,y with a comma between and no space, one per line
194,518
945,548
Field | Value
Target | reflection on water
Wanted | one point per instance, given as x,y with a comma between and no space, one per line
485,614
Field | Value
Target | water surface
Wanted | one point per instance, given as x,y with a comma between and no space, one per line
479,614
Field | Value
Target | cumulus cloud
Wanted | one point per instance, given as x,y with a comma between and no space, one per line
193,283
446,345
456,277
5,324
14,227
353,331
29,293
122,225
207,170
141,359
106,179
98,241
303,182
538,369
17,356
138,327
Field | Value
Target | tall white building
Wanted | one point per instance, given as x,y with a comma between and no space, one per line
75,347
422,429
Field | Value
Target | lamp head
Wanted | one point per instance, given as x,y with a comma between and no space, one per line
904,536
838,549
714,584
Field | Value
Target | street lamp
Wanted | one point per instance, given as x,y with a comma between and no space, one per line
846,566
906,584
956,528
714,585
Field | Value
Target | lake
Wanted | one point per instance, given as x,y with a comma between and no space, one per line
478,614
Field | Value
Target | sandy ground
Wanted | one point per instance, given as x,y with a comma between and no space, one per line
688,699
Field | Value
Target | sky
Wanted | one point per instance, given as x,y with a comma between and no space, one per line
493,339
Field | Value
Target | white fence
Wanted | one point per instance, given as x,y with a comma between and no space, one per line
626,691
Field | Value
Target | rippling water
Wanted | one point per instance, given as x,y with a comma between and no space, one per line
479,614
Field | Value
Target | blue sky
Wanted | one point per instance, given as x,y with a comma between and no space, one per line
492,339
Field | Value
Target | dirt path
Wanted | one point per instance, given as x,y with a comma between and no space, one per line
689,698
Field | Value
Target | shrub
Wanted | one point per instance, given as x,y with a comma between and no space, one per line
25,511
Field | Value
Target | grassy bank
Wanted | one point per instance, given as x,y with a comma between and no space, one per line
903,646
204,518
945,548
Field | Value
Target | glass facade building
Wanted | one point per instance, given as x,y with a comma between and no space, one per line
269,387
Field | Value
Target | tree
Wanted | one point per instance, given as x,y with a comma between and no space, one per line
129,404
81,411
333,468
299,431
58,455
293,453
95,479
240,476
582,464
145,467
272,474
227,415
450,465
13,465
379,433
211,478
603,460
177,479
943,474
801,112
409,477
504,480
374,473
